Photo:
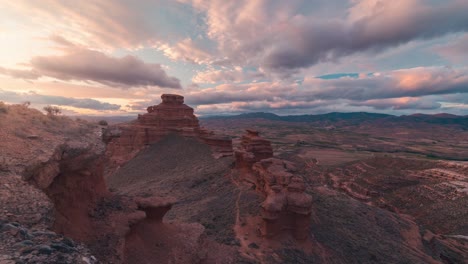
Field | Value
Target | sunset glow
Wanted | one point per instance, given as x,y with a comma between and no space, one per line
287,57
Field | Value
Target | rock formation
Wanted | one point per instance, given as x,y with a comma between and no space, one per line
111,225
253,148
170,116
286,206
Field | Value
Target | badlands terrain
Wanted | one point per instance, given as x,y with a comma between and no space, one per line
167,187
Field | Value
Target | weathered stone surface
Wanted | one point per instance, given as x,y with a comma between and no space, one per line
155,207
170,116
253,148
286,206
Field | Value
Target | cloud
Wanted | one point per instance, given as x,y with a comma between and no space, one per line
455,51
281,36
227,76
20,74
105,23
403,103
425,89
187,50
80,64
386,24
35,98
412,82
89,65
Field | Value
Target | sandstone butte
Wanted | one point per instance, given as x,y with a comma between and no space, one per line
124,141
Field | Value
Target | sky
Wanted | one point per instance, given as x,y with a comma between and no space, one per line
116,57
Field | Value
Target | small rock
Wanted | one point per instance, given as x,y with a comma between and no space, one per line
253,245
24,243
44,249
44,233
67,241
25,234
61,247
7,227
26,250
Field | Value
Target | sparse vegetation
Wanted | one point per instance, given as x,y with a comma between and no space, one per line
3,164
103,123
52,110
3,108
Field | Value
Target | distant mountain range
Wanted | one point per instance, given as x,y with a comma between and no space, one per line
334,118
355,118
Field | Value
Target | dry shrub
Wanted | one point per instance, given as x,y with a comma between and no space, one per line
3,108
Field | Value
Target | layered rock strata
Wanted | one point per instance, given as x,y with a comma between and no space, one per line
253,148
170,116
286,206
111,225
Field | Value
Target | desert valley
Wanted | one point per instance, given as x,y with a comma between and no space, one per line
257,188
234,132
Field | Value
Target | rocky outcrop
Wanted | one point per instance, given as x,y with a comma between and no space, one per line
150,239
112,226
253,148
170,116
155,208
286,206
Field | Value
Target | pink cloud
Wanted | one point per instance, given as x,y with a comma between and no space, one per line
455,51
105,23
278,37
89,65
187,50
227,76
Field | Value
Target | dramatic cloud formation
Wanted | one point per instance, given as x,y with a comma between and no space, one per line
401,83
396,90
90,65
274,35
103,23
298,56
35,98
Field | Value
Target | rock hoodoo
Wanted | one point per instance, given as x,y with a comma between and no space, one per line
170,116
286,206
253,148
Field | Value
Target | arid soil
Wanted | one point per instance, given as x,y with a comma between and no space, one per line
343,229
176,201
29,140
428,195
396,137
